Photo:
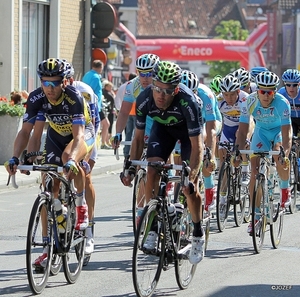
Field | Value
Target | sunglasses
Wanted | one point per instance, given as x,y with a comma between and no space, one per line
48,83
292,85
145,74
263,92
165,91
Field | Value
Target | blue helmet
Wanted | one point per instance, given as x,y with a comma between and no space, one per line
291,75
257,70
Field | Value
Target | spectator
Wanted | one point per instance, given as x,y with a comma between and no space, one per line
109,98
93,79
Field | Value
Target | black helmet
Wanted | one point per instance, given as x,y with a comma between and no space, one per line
52,67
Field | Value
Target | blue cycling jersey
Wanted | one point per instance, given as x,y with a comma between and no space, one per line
294,102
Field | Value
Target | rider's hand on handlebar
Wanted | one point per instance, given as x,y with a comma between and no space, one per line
71,167
115,140
128,175
11,165
236,158
285,162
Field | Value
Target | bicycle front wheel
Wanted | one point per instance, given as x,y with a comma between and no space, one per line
276,214
38,271
294,177
184,270
239,200
147,263
75,245
138,199
259,218
223,194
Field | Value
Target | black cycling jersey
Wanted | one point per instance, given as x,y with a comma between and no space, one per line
184,111
71,108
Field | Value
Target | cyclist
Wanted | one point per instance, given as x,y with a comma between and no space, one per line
244,77
271,112
254,71
215,84
230,102
70,136
212,120
177,116
91,98
290,90
144,65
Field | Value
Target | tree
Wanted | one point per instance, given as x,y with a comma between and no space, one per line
227,30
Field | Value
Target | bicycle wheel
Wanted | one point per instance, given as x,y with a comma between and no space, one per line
276,223
294,176
248,207
87,257
75,245
36,244
223,189
138,199
259,218
147,265
239,200
184,270
56,264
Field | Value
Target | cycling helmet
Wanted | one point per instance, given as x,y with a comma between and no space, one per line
167,72
51,67
190,79
69,70
291,75
256,70
267,79
215,84
229,83
146,62
242,75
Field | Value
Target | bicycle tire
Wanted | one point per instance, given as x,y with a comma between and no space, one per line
75,245
277,214
239,201
184,270
38,276
258,219
294,177
56,264
138,198
224,184
147,266
248,207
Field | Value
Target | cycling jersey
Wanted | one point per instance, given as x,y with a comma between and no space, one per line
181,120
69,109
132,91
91,98
268,121
210,110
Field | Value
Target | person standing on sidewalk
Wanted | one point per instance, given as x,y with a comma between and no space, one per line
93,79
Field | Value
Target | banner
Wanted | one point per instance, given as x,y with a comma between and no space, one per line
288,45
272,37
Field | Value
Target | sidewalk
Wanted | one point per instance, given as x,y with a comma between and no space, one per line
106,162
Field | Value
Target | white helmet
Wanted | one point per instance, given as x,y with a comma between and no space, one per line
267,79
243,76
146,62
229,83
190,79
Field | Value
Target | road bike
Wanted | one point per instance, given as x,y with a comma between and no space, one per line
63,249
174,240
231,193
294,174
266,209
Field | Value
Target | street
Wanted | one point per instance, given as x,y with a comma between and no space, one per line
230,267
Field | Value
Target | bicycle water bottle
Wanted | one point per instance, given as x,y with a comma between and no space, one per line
61,215
172,214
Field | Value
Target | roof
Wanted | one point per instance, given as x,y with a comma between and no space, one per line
183,18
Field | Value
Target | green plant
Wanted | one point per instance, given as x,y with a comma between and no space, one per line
8,107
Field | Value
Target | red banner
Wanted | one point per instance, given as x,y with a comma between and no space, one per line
272,37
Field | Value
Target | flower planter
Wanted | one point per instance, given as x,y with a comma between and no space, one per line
9,127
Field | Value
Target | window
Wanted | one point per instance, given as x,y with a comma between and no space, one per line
35,29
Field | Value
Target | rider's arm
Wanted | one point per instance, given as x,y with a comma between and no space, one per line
137,145
287,132
123,116
210,127
196,156
78,149
35,139
241,136
22,139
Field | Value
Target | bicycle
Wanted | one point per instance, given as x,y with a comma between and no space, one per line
64,249
294,174
269,211
174,241
230,192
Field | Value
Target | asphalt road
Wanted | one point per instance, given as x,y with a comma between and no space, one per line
230,267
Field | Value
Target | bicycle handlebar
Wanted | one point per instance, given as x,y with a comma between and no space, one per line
116,150
42,168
